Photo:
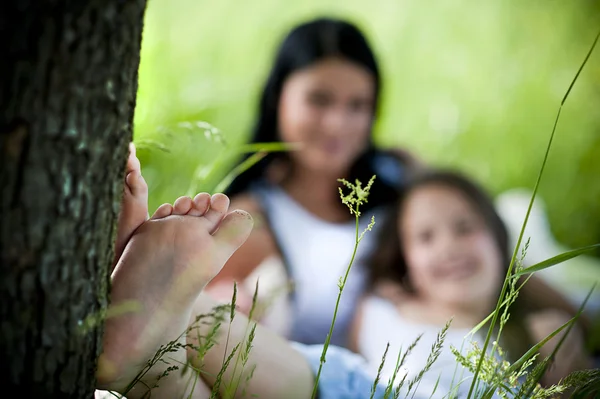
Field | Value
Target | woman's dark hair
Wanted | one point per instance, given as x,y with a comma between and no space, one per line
388,262
305,45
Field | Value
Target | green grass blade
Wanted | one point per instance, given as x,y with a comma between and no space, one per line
260,150
378,377
266,147
587,57
482,323
241,168
562,339
533,350
520,238
556,260
585,382
437,382
150,145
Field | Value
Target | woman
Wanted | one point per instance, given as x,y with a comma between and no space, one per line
323,94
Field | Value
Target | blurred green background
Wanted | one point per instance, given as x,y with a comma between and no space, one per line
467,83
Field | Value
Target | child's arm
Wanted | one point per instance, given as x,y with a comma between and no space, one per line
537,296
570,357
354,334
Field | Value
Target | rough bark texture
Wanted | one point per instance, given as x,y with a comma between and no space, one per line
68,81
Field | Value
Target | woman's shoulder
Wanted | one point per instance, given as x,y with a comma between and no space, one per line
408,159
395,167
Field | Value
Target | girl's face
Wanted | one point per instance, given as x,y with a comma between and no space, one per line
451,255
328,108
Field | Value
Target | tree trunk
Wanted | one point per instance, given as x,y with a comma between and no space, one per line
68,82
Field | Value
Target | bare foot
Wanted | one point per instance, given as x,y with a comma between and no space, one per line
134,206
165,265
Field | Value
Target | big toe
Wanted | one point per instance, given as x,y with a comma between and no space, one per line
233,232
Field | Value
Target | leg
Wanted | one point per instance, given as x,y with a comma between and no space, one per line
276,368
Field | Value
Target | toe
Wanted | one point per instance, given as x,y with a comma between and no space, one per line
233,232
200,204
163,211
182,205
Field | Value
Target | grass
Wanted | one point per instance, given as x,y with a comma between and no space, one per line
507,280
353,200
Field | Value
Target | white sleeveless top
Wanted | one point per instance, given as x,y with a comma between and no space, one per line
317,254
383,324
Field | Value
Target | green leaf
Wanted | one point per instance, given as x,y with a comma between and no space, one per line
504,302
556,260
266,147
259,150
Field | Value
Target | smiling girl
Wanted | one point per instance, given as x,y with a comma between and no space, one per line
446,250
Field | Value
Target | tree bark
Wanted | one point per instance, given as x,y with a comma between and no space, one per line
68,82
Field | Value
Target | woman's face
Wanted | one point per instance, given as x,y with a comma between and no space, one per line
451,254
328,109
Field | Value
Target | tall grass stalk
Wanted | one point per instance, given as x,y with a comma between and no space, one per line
518,244
244,353
357,196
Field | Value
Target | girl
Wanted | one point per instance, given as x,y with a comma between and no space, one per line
446,249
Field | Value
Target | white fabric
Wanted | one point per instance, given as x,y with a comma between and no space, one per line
383,324
318,253
99,394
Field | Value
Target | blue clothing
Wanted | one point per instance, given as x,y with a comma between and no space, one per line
343,376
